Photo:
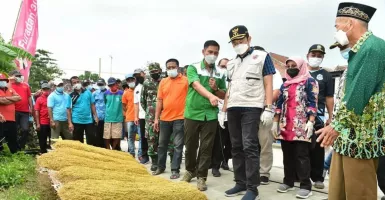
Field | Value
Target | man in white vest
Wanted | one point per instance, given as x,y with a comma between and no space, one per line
250,76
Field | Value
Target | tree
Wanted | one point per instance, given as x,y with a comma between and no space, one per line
8,54
43,68
89,76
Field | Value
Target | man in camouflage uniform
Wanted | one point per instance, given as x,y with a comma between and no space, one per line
148,102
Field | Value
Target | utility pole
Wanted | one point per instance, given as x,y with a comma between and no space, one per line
111,66
100,66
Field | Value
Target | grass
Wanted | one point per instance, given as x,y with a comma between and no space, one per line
19,179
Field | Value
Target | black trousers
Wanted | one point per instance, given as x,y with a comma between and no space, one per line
79,130
99,141
296,162
222,147
243,128
8,131
43,134
381,173
142,124
317,158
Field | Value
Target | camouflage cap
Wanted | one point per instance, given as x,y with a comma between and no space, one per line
153,66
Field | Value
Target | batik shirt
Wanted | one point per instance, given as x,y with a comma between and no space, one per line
296,103
361,131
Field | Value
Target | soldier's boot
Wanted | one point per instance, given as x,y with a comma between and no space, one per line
154,161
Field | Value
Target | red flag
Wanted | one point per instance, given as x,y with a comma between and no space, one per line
26,34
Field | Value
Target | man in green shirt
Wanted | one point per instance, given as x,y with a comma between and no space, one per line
206,87
357,128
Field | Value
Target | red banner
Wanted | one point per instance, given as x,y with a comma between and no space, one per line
26,34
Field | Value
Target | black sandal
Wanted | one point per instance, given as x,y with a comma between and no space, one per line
158,171
174,175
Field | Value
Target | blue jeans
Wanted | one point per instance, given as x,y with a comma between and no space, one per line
166,130
132,129
328,161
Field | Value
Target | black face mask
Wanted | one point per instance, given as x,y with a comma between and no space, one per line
155,76
292,72
140,80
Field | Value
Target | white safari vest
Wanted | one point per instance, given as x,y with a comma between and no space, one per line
246,88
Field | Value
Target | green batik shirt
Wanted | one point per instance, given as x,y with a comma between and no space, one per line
361,131
198,107
148,98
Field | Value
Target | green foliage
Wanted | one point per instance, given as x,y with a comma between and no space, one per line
43,68
14,168
9,53
89,76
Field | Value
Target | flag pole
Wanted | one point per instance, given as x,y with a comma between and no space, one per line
17,19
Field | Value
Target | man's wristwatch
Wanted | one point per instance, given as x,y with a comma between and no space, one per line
269,106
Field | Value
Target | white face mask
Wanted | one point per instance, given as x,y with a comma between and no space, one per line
345,53
241,49
102,87
131,85
77,86
341,37
173,73
315,62
224,71
3,84
210,59
18,79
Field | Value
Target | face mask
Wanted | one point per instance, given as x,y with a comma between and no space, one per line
241,49
345,53
18,79
22,78
292,72
210,59
131,85
315,62
3,84
155,76
102,87
89,87
224,71
172,73
140,80
60,89
77,86
341,37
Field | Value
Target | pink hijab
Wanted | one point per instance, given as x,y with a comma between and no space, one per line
303,71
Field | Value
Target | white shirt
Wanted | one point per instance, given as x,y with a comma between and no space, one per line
137,94
277,81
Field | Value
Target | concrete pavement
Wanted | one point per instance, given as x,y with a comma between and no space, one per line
218,185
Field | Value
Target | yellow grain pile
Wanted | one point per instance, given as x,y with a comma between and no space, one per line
88,172
121,190
74,173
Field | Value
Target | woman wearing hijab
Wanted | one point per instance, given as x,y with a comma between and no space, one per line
296,112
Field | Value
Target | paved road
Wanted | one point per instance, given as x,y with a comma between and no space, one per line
217,186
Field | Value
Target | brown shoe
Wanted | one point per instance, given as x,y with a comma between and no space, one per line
188,176
202,184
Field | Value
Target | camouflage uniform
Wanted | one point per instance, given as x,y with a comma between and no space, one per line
148,102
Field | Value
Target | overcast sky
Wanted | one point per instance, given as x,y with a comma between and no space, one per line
78,32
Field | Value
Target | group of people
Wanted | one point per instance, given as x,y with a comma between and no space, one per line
234,109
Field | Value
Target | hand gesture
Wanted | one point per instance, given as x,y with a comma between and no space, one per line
214,100
267,117
327,135
212,84
2,118
156,125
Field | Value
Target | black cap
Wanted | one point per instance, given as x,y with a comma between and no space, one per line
14,73
336,44
45,86
238,32
356,10
101,81
317,48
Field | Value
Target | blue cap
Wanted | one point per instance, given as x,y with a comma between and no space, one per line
111,81
129,76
